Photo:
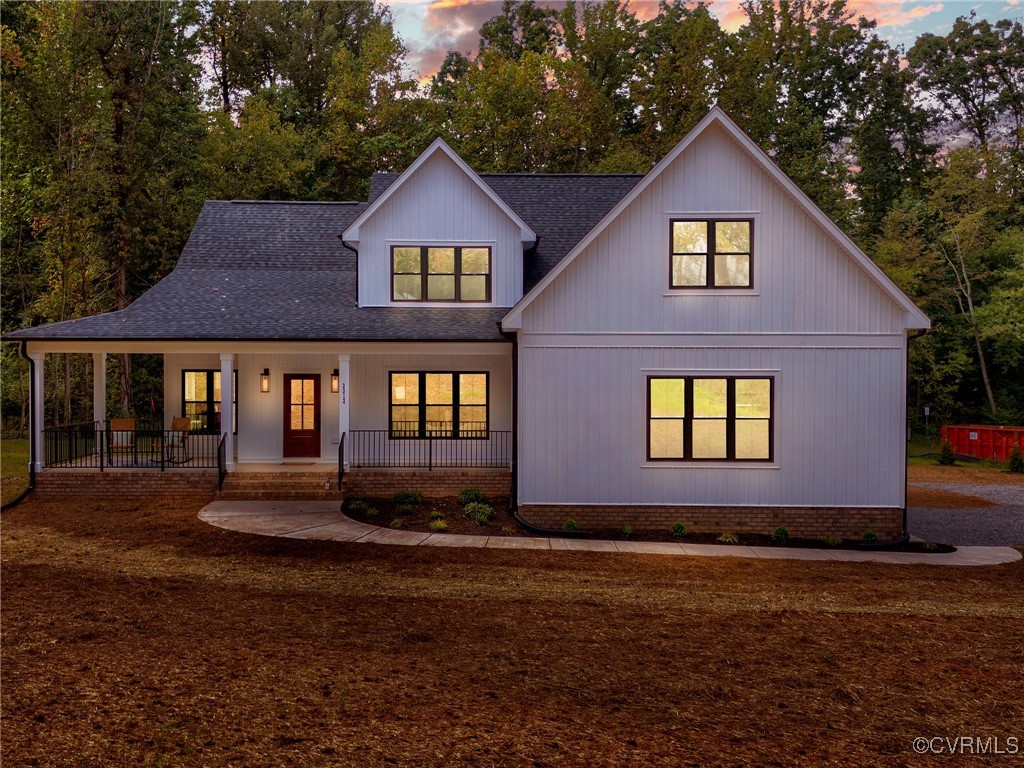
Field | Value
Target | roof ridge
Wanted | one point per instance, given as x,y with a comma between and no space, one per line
290,202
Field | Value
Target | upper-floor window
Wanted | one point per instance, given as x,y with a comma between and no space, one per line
703,418
711,253
440,273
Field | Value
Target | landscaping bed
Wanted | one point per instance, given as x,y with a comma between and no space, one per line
403,513
764,540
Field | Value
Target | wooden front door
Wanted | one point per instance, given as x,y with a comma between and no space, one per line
301,415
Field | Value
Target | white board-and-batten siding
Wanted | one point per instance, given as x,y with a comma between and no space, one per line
439,205
833,341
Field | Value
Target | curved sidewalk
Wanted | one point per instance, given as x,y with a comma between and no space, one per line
323,520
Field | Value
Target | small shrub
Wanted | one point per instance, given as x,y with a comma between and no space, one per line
728,538
1016,460
781,535
677,530
404,510
870,537
570,525
947,457
371,513
408,497
508,530
438,526
471,495
397,523
358,507
833,541
437,514
627,529
479,511
930,546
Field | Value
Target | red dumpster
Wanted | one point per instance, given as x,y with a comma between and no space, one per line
984,442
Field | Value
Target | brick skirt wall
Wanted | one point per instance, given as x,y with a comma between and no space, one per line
432,484
125,484
803,522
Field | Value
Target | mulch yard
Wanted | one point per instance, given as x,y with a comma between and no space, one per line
139,636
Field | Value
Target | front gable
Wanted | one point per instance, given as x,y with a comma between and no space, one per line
807,276
439,202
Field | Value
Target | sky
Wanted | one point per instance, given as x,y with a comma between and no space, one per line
430,28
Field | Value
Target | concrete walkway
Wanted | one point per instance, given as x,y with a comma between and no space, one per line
324,521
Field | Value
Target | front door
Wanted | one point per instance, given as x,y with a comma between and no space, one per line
301,415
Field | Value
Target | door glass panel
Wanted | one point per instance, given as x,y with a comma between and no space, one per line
296,391
296,417
709,397
307,416
307,391
667,398
708,438
752,439
666,438
689,269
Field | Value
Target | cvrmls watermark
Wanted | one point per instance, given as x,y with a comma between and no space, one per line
967,745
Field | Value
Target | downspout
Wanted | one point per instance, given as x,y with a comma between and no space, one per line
31,434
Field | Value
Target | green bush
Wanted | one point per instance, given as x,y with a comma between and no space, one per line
397,523
478,512
358,507
677,530
508,530
781,535
833,541
728,538
404,510
471,495
627,529
870,537
437,514
371,513
947,457
1016,460
438,526
570,525
408,497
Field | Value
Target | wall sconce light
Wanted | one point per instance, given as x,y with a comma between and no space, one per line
334,381
265,380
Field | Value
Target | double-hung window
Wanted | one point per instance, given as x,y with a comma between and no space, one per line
711,253
440,273
438,404
200,397
705,418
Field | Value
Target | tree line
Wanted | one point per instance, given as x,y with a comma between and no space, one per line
120,118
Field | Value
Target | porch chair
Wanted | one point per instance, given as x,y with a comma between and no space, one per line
176,442
121,440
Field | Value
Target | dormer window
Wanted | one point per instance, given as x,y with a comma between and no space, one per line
440,273
711,253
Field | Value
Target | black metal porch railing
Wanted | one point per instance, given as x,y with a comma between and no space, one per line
377,448
96,445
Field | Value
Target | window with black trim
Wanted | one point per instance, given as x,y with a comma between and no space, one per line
438,404
706,418
200,401
711,253
440,273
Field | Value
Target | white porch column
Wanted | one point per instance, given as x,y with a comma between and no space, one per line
36,417
99,386
227,427
343,401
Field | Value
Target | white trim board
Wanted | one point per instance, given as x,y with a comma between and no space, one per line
916,318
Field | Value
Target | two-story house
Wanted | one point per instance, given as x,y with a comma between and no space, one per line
700,343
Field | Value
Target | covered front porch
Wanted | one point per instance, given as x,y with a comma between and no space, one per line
302,406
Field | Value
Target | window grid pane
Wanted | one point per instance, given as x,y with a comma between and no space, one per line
441,273
438,405
711,253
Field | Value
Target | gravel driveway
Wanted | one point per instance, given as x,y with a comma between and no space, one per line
1002,525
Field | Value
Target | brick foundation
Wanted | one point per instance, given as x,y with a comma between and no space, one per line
802,522
125,484
432,484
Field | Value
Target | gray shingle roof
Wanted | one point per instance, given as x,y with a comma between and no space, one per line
278,270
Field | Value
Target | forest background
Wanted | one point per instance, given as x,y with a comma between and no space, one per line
118,119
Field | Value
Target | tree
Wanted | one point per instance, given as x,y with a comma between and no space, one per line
521,27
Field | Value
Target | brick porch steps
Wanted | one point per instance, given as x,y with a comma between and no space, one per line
290,486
